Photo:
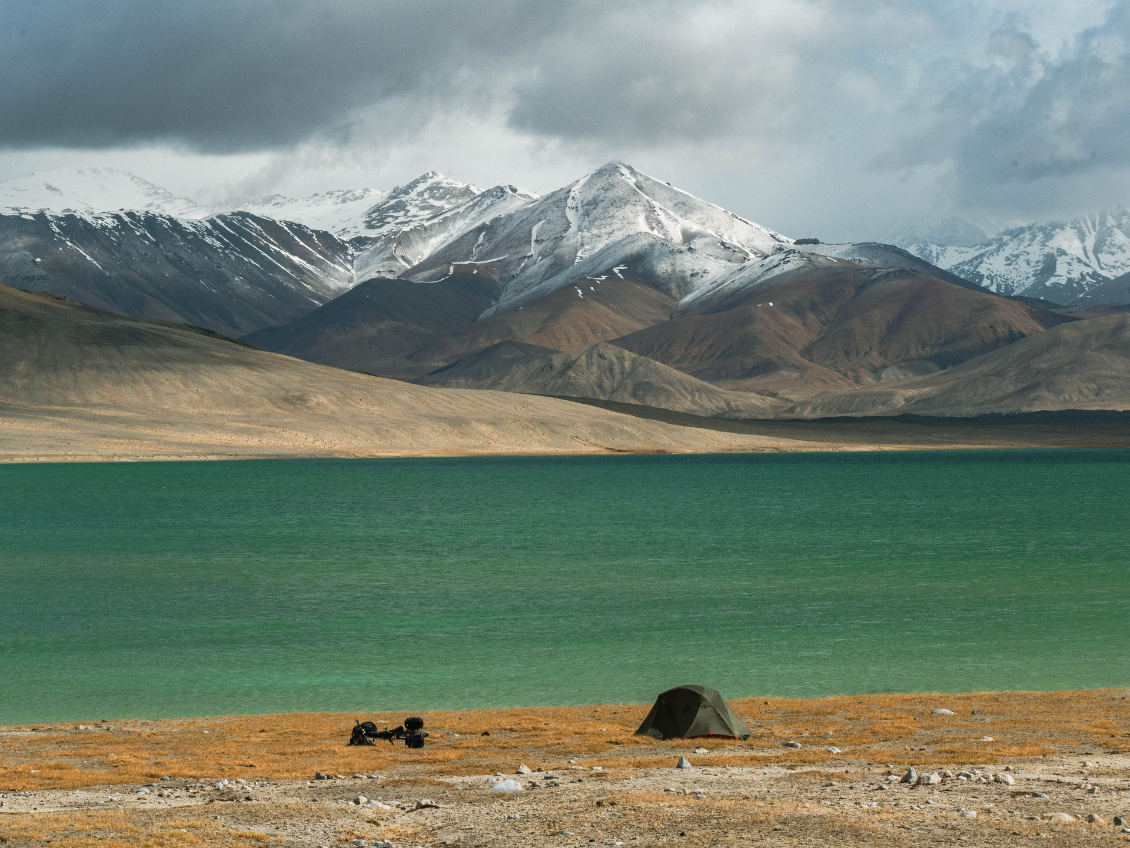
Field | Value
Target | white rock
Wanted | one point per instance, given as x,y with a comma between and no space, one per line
506,785
360,799
986,739
699,796
792,744
1094,818
701,751
1004,778
911,776
930,778
967,814
523,769
683,763
1058,817
942,711
428,804
832,749
514,816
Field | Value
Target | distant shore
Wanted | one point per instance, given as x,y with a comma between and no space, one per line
832,770
75,437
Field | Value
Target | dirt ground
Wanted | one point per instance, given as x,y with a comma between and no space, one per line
816,772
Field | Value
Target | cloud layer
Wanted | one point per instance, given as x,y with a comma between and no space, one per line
843,115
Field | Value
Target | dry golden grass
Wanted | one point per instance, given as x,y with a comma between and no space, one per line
895,729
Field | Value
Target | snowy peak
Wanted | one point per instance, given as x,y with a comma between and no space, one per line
1069,262
547,243
340,212
426,196
392,256
90,191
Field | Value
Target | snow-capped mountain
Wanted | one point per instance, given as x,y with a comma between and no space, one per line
367,212
1066,263
340,212
230,273
92,190
614,218
405,206
393,255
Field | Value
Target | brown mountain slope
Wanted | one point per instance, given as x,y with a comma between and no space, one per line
373,326
600,372
79,383
1082,365
834,329
567,319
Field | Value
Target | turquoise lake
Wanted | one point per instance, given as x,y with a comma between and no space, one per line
166,589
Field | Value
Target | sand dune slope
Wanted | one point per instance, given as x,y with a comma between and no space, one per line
79,383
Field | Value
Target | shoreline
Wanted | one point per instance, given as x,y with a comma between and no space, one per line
817,771
1062,430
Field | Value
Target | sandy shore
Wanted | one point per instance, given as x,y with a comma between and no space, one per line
1015,768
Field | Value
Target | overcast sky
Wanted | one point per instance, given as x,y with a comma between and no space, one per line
832,118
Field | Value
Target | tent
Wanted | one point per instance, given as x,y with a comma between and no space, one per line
686,712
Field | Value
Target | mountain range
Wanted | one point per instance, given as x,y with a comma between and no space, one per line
617,287
1081,261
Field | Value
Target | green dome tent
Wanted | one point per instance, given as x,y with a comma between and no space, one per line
686,712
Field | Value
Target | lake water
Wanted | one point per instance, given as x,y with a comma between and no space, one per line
165,589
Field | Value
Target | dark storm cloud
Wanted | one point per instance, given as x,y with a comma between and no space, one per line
907,103
238,74
265,74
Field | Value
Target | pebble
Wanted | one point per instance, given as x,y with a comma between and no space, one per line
427,804
360,800
523,769
320,776
514,817
1095,819
1119,821
910,777
832,749
1006,779
792,744
930,778
506,785
942,711
701,751
967,814
683,763
1039,795
699,796
986,739
358,777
